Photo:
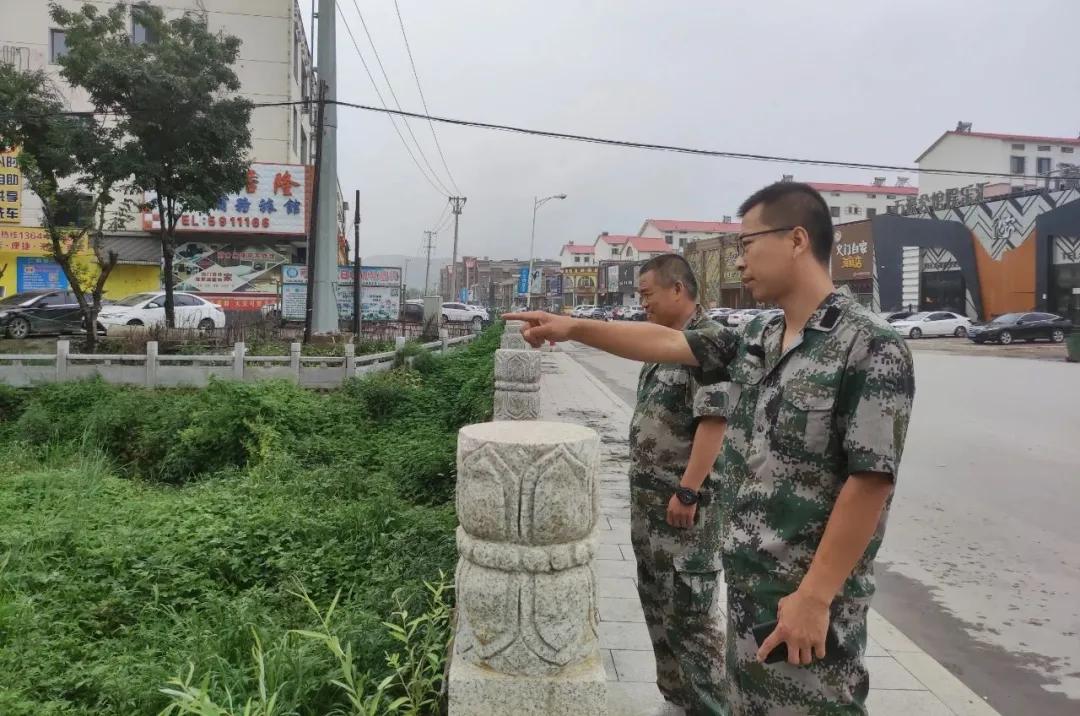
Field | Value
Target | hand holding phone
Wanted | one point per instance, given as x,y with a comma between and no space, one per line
780,653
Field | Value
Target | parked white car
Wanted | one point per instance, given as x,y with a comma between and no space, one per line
464,313
933,323
583,310
148,309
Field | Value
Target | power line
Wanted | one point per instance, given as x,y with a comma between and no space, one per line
393,95
445,211
626,144
382,101
423,100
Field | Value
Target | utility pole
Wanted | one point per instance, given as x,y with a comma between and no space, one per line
429,244
313,228
456,202
325,314
356,273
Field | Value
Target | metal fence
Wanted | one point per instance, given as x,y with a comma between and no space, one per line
153,370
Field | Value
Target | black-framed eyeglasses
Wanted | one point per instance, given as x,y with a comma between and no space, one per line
741,243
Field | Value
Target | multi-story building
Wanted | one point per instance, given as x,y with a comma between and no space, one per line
619,247
577,255
229,254
1021,161
856,202
678,233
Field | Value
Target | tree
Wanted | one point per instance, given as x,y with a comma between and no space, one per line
186,133
69,162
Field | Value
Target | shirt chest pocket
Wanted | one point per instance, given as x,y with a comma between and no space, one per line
673,384
804,426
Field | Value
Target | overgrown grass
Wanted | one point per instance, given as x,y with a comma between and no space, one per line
193,542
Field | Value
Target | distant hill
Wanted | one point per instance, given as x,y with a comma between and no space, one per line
414,268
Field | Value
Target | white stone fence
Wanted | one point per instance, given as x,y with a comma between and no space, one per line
153,369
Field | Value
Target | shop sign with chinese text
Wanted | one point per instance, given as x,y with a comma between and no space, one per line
274,200
853,253
10,187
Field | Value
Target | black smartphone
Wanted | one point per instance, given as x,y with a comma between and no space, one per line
762,631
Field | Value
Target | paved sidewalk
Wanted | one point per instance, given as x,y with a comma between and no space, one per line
903,679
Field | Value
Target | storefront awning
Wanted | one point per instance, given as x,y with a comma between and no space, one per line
134,250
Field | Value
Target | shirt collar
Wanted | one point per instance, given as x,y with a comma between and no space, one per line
698,317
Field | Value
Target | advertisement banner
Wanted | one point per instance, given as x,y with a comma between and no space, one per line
273,201
25,239
380,292
35,273
10,187
227,268
523,281
613,279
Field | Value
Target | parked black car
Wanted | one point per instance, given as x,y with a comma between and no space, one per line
1022,326
24,314
893,316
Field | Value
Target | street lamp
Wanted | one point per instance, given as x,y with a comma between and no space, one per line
537,203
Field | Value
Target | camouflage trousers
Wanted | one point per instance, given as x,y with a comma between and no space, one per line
835,686
679,585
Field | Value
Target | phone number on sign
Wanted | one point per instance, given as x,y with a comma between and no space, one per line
226,221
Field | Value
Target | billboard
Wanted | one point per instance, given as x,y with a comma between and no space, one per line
380,292
36,273
523,280
274,200
227,267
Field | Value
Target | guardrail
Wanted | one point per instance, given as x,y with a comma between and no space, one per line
154,370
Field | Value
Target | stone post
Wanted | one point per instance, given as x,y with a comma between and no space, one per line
444,338
295,350
151,363
238,361
512,338
350,360
63,350
526,633
517,384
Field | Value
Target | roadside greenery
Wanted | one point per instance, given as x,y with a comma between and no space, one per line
245,549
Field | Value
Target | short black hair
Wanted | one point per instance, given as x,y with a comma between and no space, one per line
789,203
670,268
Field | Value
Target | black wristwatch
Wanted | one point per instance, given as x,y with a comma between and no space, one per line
687,496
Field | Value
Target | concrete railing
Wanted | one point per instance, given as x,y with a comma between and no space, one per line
153,369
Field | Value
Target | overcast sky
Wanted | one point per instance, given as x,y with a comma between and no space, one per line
843,79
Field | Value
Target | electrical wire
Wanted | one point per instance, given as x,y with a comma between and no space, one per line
382,101
442,215
393,95
622,143
423,100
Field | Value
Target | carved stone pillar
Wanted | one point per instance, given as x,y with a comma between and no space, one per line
512,338
526,636
517,384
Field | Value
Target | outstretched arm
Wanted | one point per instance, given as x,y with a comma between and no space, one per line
647,342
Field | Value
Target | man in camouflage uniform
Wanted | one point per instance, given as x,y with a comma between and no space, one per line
675,436
819,404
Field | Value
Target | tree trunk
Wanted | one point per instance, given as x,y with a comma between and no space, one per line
167,280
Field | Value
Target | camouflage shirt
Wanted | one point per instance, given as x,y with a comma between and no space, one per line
836,403
670,399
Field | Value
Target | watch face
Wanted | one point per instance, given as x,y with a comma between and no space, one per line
686,496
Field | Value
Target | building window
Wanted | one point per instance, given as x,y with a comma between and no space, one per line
836,193
1017,165
834,211
682,242
1044,147
854,210
1018,147
1066,150
1042,165
140,34
890,196
614,250
295,129
871,196
57,45
577,259
871,213
303,146
296,56
668,238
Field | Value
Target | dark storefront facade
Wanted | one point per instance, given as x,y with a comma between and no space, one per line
853,260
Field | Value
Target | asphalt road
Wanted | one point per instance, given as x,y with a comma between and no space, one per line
981,561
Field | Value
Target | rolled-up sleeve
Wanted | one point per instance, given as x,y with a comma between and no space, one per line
713,346
713,401
875,403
